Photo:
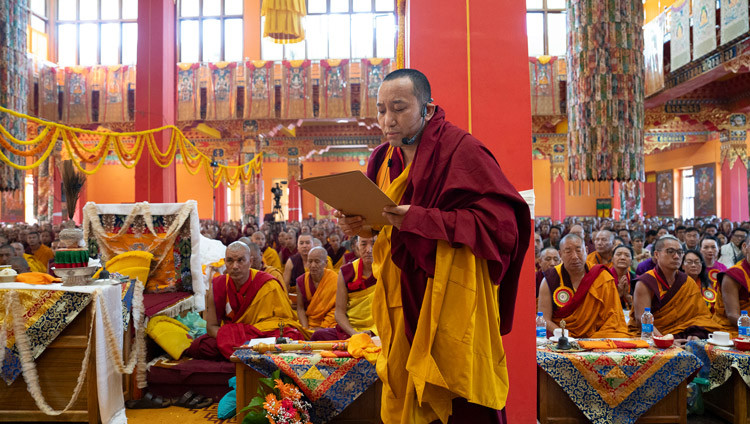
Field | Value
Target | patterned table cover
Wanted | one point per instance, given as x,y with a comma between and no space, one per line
48,312
718,362
331,384
617,385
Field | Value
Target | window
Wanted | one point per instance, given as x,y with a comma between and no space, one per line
97,32
38,26
546,27
688,194
210,30
341,29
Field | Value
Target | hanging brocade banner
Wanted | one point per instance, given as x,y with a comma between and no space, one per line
334,80
222,102
187,100
260,89
545,86
114,106
14,91
297,90
77,97
373,71
48,97
605,90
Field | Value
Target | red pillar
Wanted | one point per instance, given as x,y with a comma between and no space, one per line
484,88
295,203
220,203
734,201
155,96
558,198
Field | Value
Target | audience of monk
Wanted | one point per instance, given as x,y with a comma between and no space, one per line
586,299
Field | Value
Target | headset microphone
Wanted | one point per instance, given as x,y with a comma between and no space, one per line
409,141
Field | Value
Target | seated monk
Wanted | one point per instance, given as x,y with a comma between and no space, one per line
355,289
604,243
336,251
734,290
242,305
316,292
586,299
256,260
34,264
318,243
295,265
549,257
270,255
674,298
41,252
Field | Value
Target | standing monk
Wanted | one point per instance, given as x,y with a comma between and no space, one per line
270,255
460,230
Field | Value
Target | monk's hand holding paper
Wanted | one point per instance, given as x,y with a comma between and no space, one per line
353,225
396,214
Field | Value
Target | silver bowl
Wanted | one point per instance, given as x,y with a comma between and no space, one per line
75,276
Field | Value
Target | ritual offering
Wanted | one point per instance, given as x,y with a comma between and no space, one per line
663,342
7,275
562,342
741,343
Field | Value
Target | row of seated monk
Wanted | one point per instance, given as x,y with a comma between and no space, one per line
253,300
593,300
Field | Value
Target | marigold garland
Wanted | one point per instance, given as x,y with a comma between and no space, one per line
51,132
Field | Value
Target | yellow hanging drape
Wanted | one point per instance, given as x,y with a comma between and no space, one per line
284,20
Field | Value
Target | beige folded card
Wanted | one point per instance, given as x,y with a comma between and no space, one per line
351,193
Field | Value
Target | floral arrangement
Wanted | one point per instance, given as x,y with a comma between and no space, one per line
277,403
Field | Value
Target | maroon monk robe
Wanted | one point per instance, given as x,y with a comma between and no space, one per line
459,194
286,254
335,256
298,268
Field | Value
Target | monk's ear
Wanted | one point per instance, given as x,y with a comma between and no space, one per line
430,110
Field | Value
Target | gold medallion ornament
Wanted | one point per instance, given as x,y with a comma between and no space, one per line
709,295
562,296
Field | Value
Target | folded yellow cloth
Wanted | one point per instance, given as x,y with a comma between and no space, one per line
613,344
170,334
36,278
362,346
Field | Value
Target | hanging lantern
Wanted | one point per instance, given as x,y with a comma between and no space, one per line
284,20
605,90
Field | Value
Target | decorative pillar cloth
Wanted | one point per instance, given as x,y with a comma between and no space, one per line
333,81
297,90
605,90
734,176
372,73
14,80
557,160
260,102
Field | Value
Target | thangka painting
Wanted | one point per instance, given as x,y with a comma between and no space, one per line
372,73
114,107
679,29
297,90
704,177
221,98
665,193
48,93
704,27
13,206
334,102
630,199
734,20
187,91
545,86
653,40
260,101
77,96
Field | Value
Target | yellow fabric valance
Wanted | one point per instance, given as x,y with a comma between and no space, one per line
284,20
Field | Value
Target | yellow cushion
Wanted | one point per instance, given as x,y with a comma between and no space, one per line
134,264
170,334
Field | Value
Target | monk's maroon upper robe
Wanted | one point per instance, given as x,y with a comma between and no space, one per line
459,194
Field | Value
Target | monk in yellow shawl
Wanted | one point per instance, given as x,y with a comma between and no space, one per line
354,293
587,299
674,298
734,284
34,264
242,305
316,292
447,265
41,252
270,255
604,244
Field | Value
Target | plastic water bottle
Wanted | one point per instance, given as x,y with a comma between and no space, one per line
647,326
743,324
541,326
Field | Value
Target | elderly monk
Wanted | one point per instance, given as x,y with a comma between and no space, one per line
734,290
674,298
586,299
42,253
580,232
256,260
548,258
604,242
354,293
242,305
33,263
336,252
447,264
316,292
270,256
